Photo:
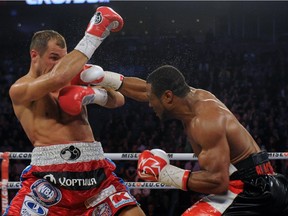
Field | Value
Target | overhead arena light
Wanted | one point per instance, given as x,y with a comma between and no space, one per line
49,2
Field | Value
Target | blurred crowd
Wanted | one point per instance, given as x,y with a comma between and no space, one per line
250,77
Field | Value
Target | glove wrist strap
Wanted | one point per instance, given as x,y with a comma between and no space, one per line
112,80
99,97
88,44
174,176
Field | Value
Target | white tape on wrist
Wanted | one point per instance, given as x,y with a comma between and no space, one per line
88,44
174,176
100,97
112,80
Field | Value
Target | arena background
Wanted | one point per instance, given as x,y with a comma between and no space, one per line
238,50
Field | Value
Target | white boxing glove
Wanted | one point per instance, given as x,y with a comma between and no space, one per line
94,75
109,79
88,74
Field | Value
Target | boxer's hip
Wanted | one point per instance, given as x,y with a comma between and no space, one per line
255,165
76,166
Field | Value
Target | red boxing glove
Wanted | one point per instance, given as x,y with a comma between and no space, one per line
72,98
149,165
104,20
154,165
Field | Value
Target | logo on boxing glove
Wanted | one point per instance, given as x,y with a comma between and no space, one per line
98,17
152,166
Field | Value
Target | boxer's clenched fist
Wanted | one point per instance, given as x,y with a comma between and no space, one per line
72,98
154,165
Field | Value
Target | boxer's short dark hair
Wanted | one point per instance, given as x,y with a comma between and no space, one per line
40,40
168,78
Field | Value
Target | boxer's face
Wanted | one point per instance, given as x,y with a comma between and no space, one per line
156,103
153,100
47,61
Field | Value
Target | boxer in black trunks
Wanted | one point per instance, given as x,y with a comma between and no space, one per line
233,169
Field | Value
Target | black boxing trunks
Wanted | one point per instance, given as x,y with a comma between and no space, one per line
70,179
254,189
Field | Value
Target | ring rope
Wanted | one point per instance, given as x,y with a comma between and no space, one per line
6,156
125,156
134,156
131,185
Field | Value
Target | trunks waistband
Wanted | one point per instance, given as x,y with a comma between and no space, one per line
253,166
67,153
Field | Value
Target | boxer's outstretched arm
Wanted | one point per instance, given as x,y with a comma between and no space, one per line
135,88
131,87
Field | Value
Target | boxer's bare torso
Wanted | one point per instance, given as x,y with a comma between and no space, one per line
34,99
208,111
199,110
216,137
46,124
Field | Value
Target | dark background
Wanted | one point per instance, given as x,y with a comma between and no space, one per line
265,21
237,50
